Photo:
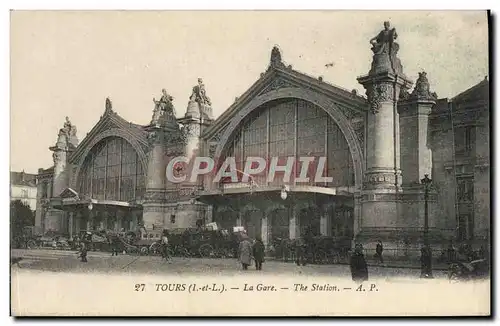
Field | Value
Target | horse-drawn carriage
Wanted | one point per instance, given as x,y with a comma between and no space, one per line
202,242
31,239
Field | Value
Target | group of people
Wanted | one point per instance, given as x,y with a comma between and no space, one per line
248,251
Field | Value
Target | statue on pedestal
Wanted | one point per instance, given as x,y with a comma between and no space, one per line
385,50
199,94
68,128
109,105
276,57
163,108
422,88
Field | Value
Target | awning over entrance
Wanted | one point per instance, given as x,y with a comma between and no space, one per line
70,199
222,194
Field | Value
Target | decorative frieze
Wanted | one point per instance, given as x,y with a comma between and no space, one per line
154,196
378,94
277,84
153,209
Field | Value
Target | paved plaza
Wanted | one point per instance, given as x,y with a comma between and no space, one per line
102,262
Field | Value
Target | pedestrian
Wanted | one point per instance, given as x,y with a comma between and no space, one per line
164,243
114,242
359,269
451,252
300,252
258,253
378,251
245,252
426,262
309,245
83,251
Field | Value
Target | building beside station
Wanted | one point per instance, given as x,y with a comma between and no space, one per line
378,148
23,187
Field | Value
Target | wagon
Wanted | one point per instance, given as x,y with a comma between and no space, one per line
207,243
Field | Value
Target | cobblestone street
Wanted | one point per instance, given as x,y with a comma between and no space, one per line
67,261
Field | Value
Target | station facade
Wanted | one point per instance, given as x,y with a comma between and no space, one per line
377,147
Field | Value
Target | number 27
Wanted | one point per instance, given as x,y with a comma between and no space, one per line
140,287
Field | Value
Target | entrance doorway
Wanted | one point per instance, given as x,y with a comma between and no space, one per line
252,221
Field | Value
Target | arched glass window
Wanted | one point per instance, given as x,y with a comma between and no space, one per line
293,128
112,171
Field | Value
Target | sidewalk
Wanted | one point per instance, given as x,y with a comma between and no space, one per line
387,264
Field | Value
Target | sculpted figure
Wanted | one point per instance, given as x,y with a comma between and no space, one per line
199,94
165,103
276,56
384,42
109,106
422,87
68,128
164,109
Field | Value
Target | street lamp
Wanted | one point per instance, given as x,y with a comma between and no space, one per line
284,192
427,184
427,259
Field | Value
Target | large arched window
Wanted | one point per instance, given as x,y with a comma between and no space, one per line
293,128
112,171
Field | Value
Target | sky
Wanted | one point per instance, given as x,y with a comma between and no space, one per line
65,63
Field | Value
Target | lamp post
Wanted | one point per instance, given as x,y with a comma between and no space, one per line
427,183
427,252
90,218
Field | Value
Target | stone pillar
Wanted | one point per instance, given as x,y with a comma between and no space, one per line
265,230
294,223
119,221
414,110
239,219
416,155
380,209
324,223
70,224
154,197
60,178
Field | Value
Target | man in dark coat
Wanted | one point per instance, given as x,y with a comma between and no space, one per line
359,269
300,252
378,252
83,250
426,262
258,253
115,244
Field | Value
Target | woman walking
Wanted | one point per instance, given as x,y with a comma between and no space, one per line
245,252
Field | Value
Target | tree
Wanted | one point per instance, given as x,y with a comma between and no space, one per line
21,216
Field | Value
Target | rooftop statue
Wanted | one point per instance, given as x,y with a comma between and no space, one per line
165,103
199,94
163,108
422,88
276,59
109,105
385,51
69,129
384,42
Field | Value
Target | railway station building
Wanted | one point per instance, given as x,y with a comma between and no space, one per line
378,148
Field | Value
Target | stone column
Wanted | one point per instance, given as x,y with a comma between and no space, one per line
239,218
380,209
294,223
119,221
265,230
416,156
154,197
323,223
70,224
